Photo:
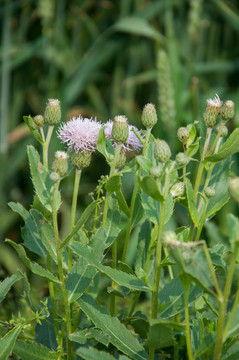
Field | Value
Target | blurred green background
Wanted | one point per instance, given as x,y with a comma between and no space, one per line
104,58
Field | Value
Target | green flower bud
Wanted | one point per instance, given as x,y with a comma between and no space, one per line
80,159
52,115
60,163
169,237
38,120
212,110
54,176
228,110
120,129
156,171
182,159
223,131
234,189
210,192
149,116
162,151
178,189
183,134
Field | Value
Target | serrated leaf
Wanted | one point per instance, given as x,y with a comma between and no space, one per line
230,147
41,179
30,234
121,278
82,336
6,285
93,354
113,184
30,123
31,350
34,267
191,203
119,336
46,233
8,341
84,217
151,188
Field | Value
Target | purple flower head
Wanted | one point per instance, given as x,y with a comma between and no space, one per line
80,134
133,143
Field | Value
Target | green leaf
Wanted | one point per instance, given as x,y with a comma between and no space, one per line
230,147
160,335
46,233
120,277
151,208
34,267
206,345
122,202
171,298
191,203
30,234
119,336
151,187
112,225
31,350
93,354
113,184
233,230
30,123
138,212
193,148
82,336
145,163
232,353
84,217
8,341
104,146
41,179
6,284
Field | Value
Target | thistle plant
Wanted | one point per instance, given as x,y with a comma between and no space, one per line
178,298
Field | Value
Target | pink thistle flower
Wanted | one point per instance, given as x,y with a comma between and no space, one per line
133,143
80,134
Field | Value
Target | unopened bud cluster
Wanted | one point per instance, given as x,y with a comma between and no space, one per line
182,159
178,189
212,111
162,151
210,192
183,135
156,171
81,159
38,120
52,114
120,129
149,116
228,110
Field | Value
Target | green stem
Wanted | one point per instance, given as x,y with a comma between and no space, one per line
223,306
210,264
60,271
73,211
201,164
214,145
45,146
187,331
112,171
52,297
159,247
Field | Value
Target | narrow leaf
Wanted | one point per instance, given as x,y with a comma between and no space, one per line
151,187
6,284
82,336
93,354
122,202
8,341
113,184
119,336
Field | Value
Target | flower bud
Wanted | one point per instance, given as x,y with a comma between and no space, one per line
228,110
120,129
223,131
156,171
38,120
80,159
234,189
149,116
210,192
162,151
169,237
52,115
182,159
60,163
212,110
183,134
178,189
54,176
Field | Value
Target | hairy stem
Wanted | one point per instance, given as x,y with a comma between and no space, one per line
45,146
